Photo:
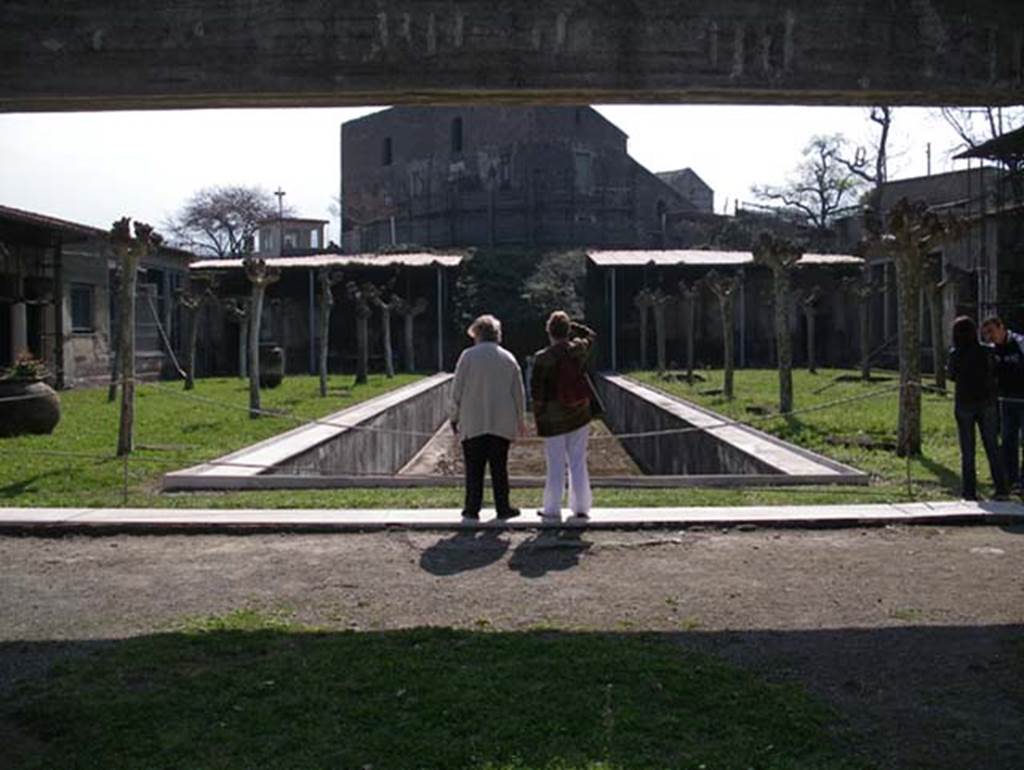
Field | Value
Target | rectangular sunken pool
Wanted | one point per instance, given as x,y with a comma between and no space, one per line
403,439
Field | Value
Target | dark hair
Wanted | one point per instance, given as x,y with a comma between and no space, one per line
965,332
993,320
558,325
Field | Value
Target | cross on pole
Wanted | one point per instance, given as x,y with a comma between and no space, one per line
280,216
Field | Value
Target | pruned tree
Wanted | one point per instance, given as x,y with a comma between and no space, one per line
327,278
130,250
661,303
409,310
237,310
222,221
362,297
689,290
191,299
809,305
644,301
260,275
384,299
912,232
821,185
862,290
780,256
934,289
724,287
115,332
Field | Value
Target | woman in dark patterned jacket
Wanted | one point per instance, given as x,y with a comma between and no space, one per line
561,399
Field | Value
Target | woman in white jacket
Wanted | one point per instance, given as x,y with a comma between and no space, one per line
486,410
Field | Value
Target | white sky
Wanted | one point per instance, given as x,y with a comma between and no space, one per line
96,167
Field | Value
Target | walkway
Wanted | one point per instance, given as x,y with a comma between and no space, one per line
98,520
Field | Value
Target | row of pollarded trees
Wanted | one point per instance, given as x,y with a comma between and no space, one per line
724,288
132,245
909,236
364,297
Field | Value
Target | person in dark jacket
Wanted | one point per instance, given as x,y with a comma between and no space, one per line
560,395
1008,350
972,366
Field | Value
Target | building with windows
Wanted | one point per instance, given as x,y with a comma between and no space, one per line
290,236
58,298
500,176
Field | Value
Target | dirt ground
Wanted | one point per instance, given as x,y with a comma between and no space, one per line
914,635
442,455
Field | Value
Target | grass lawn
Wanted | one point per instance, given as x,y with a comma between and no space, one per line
174,432
248,690
174,429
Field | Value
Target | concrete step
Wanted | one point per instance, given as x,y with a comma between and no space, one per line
42,521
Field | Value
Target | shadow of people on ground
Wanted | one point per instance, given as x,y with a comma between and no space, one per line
463,551
550,550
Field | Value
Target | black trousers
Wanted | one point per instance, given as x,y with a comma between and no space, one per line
479,452
986,418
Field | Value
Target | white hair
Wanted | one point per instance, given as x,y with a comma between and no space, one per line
486,328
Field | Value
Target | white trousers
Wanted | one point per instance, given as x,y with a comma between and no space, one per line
568,449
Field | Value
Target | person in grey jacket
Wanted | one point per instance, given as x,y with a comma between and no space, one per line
486,410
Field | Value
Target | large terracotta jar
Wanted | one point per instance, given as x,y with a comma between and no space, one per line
271,365
27,406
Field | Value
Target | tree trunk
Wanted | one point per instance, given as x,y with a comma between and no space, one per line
243,348
783,347
659,334
934,295
325,330
691,312
363,336
725,304
193,338
809,314
389,364
125,435
908,286
643,338
115,360
864,318
255,316
410,350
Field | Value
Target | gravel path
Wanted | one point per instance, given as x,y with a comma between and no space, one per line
915,635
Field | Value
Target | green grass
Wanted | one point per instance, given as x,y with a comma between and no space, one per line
249,691
174,429
934,474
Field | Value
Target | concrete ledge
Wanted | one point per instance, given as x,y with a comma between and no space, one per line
58,521
269,481
371,448
715,444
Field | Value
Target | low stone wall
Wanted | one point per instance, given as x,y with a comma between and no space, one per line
705,443
697,452
382,444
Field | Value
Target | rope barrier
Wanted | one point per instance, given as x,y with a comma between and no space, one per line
173,456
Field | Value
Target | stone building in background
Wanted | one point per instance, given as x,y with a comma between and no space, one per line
545,177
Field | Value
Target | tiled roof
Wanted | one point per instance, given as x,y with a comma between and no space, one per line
42,220
700,258
340,260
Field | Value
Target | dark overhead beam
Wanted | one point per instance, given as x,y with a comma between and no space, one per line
111,54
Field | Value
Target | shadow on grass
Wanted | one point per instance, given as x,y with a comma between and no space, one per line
947,477
24,486
226,696
246,690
